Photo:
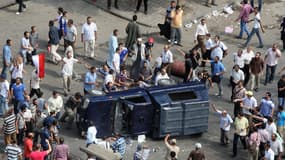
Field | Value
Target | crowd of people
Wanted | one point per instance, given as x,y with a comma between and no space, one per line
259,127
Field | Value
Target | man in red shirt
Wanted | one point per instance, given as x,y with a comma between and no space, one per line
28,146
38,154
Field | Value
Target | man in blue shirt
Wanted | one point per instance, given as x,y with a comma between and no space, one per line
217,70
7,57
266,107
90,80
119,145
18,92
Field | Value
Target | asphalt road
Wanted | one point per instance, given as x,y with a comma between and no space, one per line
39,12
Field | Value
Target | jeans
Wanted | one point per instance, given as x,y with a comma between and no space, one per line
20,136
220,87
21,5
3,105
5,70
109,3
260,3
243,28
235,142
269,75
253,31
281,101
24,56
255,78
175,34
224,136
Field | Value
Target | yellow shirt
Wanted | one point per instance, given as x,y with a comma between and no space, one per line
176,18
241,126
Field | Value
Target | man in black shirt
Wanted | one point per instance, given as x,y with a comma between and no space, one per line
281,91
71,104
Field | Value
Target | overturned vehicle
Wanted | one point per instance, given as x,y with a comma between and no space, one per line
180,109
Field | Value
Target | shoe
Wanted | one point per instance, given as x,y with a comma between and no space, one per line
145,12
207,5
260,46
218,94
265,84
234,155
256,89
238,37
17,13
68,90
117,7
169,41
214,4
109,8
65,95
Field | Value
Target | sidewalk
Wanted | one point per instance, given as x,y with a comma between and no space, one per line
193,9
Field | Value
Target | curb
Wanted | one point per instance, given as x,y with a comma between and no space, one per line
117,15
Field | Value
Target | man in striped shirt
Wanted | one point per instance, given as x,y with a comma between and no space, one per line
13,151
9,126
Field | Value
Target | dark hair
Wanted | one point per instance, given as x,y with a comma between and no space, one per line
54,92
64,13
245,1
60,9
117,49
178,7
51,23
268,93
111,71
172,154
25,33
270,119
70,21
90,123
208,34
135,17
41,94
33,27
89,17
8,41
61,140
115,30
280,108
93,67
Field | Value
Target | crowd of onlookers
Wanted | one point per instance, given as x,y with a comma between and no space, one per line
32,125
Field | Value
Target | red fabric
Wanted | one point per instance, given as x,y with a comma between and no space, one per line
28,147
38,155
41,65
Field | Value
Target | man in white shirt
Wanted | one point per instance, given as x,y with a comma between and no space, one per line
269,154
116,61
255,29
208,45
218,48
167,59
200,34
161,75
26,48
248,54
276,146
4,94
225,124
239,59
270,126
35,84
67,70
55,103
249,103
71,35
91,134
88,37
237,75
271,59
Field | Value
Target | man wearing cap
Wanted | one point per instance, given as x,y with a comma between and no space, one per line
171,147
4,94
197,154
241,130
225,124
249,103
